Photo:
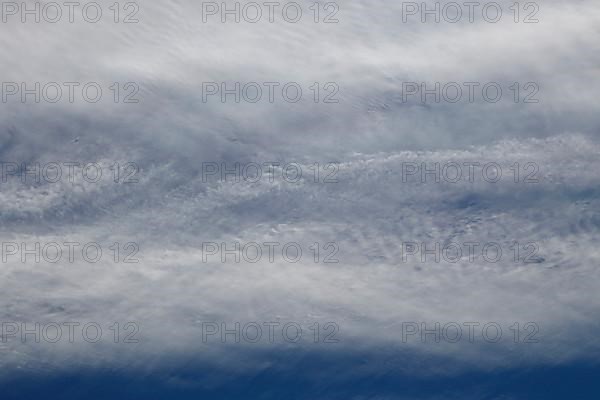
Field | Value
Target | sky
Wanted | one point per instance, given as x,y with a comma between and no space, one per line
357,200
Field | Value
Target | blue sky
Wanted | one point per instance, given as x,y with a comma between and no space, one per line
371,181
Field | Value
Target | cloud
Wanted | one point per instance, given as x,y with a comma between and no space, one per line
547,193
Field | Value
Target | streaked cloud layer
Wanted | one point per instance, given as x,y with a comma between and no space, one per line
374,145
